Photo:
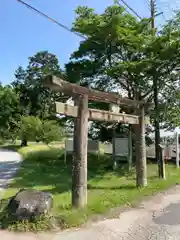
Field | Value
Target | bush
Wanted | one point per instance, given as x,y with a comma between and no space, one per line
34,129
50,131
30,128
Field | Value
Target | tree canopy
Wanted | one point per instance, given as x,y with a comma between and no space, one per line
119,54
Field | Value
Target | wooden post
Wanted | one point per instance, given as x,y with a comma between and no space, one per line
162,169
115,109
79,167
114,147
130,148
177,150
141,165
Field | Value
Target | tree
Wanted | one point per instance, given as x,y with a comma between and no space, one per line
121,54
9,105
35,100
170,59
33,128
50,132
171,115
30,128
165,56
113,58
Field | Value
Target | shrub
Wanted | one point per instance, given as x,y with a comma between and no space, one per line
34,129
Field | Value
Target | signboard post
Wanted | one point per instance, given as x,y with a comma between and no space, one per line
130,155
115,109
121,147
177,150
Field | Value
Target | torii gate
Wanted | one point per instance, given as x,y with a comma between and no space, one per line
82,114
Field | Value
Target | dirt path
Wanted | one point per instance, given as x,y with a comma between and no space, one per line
157,218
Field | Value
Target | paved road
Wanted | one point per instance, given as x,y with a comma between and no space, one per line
155,219
9,163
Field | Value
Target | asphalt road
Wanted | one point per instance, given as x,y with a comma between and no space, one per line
9,163
156,219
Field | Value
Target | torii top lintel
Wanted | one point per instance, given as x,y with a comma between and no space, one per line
58,85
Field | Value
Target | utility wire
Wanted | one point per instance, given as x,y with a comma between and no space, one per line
130,8
147,3
55,21
64,26
126,10
167,6
51,19
161,10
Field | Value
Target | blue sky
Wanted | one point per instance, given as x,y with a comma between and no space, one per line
24,32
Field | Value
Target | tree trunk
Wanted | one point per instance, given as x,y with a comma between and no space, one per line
79,168
163,170
157,127
140,145
23,142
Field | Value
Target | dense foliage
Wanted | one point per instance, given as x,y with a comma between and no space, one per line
120,54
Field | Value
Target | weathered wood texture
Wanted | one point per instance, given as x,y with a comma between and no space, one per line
130,148
162,162
141,164
58,85
177,149
79,168
82,114
97,115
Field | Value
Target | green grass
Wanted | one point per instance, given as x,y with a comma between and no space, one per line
43,168
16,146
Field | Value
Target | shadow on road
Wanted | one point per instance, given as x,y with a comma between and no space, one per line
170,217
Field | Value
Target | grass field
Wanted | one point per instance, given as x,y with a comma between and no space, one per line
44,168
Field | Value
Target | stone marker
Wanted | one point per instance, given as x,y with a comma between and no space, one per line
29,204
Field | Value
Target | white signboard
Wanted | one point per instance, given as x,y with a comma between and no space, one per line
93,146
69,146
107,148
121,147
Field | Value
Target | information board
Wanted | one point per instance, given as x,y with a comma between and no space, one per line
121,147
